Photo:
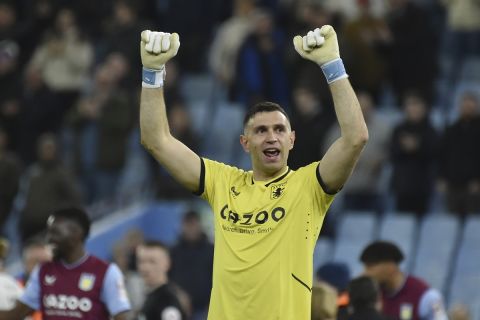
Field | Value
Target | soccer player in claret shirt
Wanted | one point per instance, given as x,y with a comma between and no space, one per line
76,284
404,297
266,220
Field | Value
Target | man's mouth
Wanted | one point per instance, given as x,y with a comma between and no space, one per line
271,153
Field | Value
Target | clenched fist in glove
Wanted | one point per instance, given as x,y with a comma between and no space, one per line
156,48
321,47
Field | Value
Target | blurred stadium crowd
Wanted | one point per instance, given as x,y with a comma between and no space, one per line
70,82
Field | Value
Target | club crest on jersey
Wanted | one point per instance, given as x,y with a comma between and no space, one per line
406,311
277,190
86,282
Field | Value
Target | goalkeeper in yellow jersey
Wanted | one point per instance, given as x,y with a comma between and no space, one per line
267,220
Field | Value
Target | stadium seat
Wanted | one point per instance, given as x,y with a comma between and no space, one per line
466,273
356,230
349,253
322,252
197,87
357,226
162,221
400,229
225,129
436,244
470,69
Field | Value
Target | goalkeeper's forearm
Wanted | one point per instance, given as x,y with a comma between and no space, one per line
349,114
154,128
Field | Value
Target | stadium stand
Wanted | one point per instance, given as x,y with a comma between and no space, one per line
402,230
322,253
438,238
356,229
466,276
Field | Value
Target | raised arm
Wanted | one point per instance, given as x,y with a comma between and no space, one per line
156,49
321,47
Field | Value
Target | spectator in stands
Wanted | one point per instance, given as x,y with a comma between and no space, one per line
120,30
365,39
308,15
311,121
10,171
365,299
346,10
404,297
46,185
124,255
10,290
459,312
63,59
460,158
192,263
462,39
413,155
90,287
7,23
363,190
337,274
10,82
323,301
34,252
25,22
260,71
195,24
102,121
162,301
229,38
413,47
36,104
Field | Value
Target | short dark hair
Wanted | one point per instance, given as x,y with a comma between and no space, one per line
381,251
77,215
154,244
265,106
191,215
336,274
363,292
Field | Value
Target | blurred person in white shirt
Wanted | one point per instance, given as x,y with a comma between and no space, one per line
9,288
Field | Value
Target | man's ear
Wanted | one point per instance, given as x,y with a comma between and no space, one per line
244,143
292,140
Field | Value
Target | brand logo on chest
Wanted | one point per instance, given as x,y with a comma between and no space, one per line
49,280
234,192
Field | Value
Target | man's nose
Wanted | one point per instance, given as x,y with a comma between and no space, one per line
271,136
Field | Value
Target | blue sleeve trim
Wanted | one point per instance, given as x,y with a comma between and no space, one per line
31,295
114,294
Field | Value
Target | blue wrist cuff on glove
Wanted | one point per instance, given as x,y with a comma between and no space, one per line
334,70
152,78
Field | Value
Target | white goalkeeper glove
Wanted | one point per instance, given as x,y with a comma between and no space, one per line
156,48
321,47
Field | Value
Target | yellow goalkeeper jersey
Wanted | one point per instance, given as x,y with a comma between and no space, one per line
265,234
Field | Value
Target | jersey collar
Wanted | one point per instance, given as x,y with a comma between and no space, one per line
274,180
